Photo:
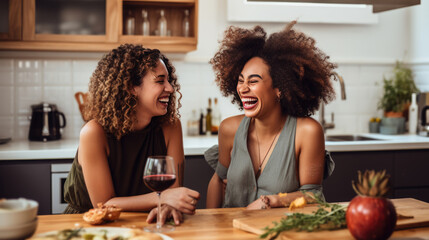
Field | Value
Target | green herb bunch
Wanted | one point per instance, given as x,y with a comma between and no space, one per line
327,217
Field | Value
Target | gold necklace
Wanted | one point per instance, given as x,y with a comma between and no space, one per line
259,151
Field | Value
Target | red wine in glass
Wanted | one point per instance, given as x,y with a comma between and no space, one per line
159,183
159,174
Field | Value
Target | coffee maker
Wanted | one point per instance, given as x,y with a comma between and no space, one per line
423,116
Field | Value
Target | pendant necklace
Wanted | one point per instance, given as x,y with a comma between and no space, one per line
259,151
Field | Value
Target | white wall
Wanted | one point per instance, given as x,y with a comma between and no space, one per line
364,54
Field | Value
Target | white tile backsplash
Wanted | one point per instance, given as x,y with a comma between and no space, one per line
24,82
27,96
6,101
6,72
22,127
61,96
6,127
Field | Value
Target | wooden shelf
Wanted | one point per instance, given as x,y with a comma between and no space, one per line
164,45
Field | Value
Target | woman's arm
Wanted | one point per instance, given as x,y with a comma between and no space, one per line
181,198
226,134
92,155
310,157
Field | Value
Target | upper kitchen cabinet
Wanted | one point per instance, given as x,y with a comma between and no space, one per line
10,19
70,21
101,25
169,24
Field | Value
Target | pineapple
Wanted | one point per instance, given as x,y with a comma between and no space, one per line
371,183
370,215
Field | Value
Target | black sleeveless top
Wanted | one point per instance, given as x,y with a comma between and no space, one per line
126,160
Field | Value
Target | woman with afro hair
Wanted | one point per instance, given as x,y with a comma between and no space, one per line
133,115
274,151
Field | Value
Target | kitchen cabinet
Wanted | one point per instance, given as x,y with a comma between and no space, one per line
29,179
10,19
33,179
197,176
407,168
98,25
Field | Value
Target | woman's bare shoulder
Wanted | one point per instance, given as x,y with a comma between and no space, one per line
172,129
92,129
229,125
308,125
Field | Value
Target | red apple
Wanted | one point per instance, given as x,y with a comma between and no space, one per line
371,218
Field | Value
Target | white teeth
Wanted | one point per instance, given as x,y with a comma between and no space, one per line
164,100
246,100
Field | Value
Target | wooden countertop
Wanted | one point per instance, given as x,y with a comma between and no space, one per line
205,224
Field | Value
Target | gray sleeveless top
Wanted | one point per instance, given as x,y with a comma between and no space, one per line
279,174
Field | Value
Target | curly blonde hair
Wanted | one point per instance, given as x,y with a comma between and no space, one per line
110,100
300,70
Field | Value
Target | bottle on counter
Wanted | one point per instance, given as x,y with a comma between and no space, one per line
162,24
216,117
193,124
186,24
145,24
130,23
202,123
412,115
209,118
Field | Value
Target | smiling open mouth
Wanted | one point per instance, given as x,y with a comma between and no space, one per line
249,102
164,100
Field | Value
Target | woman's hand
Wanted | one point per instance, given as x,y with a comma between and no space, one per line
264,202
181,198
257,204
166,213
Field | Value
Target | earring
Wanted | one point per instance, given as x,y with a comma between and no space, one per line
278,99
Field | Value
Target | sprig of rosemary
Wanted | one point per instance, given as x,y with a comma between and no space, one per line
328,216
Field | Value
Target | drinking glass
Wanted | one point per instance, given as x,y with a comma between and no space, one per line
159,174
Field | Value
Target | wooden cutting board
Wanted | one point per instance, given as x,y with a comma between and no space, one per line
259,219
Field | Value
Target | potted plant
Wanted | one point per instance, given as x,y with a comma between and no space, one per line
397,91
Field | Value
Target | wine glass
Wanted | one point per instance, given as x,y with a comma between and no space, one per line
159,174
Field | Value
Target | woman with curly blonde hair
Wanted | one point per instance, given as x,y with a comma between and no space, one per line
274,150
133,115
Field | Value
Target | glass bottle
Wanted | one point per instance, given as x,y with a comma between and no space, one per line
216,117
130,24
162,24
145,24
186,24
202,123
209,118
412,115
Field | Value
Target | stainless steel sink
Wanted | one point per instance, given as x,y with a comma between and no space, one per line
348,138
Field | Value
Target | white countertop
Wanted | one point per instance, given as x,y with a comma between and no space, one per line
66,148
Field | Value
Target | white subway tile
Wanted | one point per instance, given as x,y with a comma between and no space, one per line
6,65
57,66
27,96
6,126
82,71
6,72
6,101
371,75
81,79
62,97
6,78
22,127
28,78
57,79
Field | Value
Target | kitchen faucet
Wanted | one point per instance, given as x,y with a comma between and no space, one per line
322,120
